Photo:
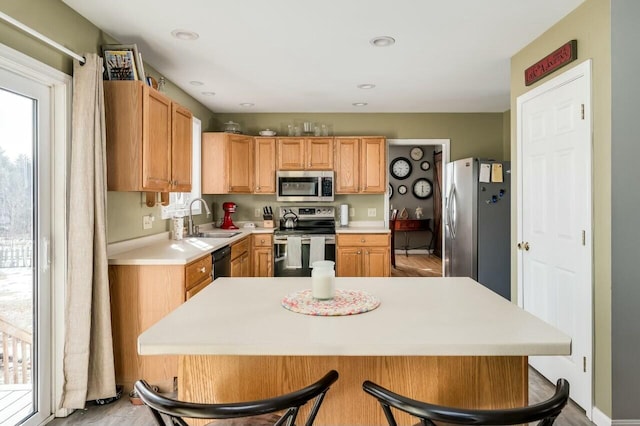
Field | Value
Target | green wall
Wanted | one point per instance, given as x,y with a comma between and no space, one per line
590,25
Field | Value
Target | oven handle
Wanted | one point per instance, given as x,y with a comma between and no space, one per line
306,241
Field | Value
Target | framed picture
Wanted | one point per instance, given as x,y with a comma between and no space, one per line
122,62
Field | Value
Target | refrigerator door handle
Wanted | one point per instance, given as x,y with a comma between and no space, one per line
451,218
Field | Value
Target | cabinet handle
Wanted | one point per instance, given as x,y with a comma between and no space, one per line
203,269
261,241
362,240
359,252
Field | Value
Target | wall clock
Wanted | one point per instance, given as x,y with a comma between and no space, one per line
416,153
422,188
390,190
400,168
402,190
425,165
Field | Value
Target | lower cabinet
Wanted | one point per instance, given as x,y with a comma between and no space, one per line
141,295
262,255
363,255
240,258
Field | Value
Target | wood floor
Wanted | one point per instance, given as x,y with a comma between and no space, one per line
122,412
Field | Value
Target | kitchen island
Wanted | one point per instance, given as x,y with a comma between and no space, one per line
446,340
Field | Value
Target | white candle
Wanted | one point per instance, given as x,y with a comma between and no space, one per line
323,280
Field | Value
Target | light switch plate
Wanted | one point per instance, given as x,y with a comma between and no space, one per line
371,212
257,212
147,221
352,211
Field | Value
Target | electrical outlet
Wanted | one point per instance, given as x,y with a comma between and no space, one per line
147,221
371,212
257,212
352,211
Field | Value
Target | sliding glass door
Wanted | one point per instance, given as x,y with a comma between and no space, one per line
25,233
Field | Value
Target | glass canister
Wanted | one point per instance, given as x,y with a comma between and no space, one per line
323,278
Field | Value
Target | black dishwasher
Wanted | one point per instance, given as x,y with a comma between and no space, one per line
221,260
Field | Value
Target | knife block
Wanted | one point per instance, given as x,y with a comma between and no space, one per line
267,224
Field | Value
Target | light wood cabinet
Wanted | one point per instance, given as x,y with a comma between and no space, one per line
265,161
240,258
360,165
141,295
262,255
149,139
227,163
314,153
363,255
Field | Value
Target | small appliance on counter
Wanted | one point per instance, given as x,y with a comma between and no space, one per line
228,208
344,215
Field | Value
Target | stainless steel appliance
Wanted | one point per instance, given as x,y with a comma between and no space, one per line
304,186
317,222
477,222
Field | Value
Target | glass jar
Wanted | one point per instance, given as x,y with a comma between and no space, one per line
162,85
323,278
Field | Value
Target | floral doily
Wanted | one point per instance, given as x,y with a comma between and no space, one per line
345,302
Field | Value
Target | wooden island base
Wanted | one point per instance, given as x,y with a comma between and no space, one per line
463,381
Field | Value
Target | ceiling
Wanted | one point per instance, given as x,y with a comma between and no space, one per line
310,56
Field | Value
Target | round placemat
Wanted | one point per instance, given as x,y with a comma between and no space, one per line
345,302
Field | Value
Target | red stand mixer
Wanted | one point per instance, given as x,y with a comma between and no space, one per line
228,208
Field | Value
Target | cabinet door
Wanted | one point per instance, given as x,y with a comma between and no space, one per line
265,166
240,164
349,262
156,141
236,267
181,148
347,162
376,261
263,262
373,166
320,154
245,265
291,154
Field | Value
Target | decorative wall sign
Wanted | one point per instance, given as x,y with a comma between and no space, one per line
557,59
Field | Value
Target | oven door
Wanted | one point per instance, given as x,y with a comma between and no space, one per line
280,255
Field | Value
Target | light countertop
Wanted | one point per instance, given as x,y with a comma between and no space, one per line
417,316
172,252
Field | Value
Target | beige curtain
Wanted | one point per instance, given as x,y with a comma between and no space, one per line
88,351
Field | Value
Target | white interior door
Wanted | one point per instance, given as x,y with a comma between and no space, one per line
555,224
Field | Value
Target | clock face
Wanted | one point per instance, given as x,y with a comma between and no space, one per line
416,153
425,165
402,190
422,188
400,168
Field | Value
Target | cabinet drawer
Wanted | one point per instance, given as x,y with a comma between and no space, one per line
345,240
262,240
197,271
195,290
240,247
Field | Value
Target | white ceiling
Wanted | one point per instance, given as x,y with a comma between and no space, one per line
309,56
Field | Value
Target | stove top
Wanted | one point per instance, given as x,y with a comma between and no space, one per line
311,220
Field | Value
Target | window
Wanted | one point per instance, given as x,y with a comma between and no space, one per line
179,201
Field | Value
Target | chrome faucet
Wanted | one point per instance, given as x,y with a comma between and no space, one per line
190,227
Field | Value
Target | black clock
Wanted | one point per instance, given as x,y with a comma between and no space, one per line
400,168
390,190
425,165
422,188
402,190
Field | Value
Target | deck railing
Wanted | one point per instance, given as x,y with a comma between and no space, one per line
16,253
15,358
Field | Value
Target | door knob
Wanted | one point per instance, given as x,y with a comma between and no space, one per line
526,246
523,246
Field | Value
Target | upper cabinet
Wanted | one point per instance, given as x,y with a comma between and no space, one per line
149,139
265,161
227,163
361,165
314,153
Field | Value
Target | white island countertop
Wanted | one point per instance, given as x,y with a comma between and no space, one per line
417,316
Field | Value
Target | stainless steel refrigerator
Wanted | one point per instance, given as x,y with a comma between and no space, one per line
477,222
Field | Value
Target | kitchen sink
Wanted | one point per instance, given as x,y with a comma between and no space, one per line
216,234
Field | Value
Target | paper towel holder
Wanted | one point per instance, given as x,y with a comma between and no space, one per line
344,215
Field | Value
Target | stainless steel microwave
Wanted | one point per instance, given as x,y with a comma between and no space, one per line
304,186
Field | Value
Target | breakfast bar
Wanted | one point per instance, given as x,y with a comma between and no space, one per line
446,340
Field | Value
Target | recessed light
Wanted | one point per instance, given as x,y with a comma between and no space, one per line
382,41
184,35
246,104
208,93
366,86
196,83
359,104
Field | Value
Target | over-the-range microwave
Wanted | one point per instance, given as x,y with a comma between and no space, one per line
304,185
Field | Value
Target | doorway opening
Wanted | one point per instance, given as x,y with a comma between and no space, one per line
413,205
